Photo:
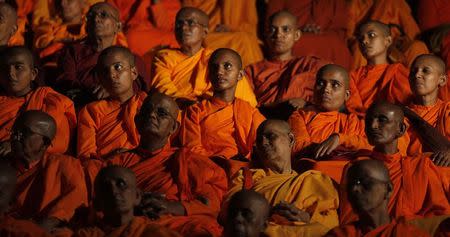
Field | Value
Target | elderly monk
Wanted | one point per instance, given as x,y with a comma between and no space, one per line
247,215
50,187
324,26
378,80
282,83
222,127
182,73
302,204
9,28
182,190
419,188
116,196
18,94
108,124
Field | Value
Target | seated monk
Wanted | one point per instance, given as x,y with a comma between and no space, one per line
282,83
182,190
222,127
23,9
182,73
378,80
116,196
302,204
419,188
247,215
18,94
108,124
50,187
9,29
234,25
324,26
78,78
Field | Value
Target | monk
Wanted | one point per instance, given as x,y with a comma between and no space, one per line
182,190
378,80
283,82
50,187
222,127
247,215
302,204
182,72
369,189
108,124
19,93
22,9
419,188
8,13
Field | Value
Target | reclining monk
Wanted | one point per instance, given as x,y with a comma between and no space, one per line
302,204
222,127
50,187
182,190
9,15
283,82
116,196
247,215
378,80
419,188
108,124
182,73
234,25
18,93
324,27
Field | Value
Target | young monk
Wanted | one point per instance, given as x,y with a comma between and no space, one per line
116,196
419,188
18,93
247,215
182,190
9,15
182,73
378,80
223,127
108,125
282,83
302,204
50,187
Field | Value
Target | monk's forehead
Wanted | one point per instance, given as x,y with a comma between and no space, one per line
103,6
335,73
376,27
161,100
17,56
371,169
283,18
193,14
388,110
114,56
274,127
431,61
117,173
6,11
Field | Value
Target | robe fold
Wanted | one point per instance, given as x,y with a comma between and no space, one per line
444,92
106,125
24,8
46,99
10,227
432,13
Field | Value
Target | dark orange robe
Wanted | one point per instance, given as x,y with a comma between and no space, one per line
107,125
24,8
10,227
46,99
444,92
432,13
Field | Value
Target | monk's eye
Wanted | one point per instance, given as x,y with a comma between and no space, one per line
118,67
162,112
228,66
426,70
19,67
336,84
320,83
287,29
121,183
372,35
272,30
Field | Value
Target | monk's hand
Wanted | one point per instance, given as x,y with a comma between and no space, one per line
5,147
441,158
100,93
175,208
152,204
311,28
291,212
222,28
50,223
296,103
327,146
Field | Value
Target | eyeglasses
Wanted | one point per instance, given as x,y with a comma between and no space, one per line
101,14
188,22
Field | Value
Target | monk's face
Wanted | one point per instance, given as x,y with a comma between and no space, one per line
16,74
383,125
7,25
426,76
71,10
273,146
224,71
372,41
116,73
245,218
27,141
282,33
330,92
189,29
102,21
7,186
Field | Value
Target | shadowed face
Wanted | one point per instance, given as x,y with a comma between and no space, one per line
224,71
17,73
282,33
190,28
373,41
117,75
246,218
102,21
383,125
426,76
71,9
330,92
7,24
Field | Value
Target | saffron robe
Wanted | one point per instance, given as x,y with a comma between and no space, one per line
107,125
10,227
24,8
46,99
180,76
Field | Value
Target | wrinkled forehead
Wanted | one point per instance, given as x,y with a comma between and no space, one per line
160,101
191,14
104,7
389,111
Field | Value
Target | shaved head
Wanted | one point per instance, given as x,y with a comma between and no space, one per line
113,170
384,28
104,5
375,168
231,52
114,50
281,124
387,106
203,18
37,121
252,197
284,13
155,97
433,58
17,50
335,68
9,11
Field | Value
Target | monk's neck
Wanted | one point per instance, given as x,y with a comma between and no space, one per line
152,143
378,60
22,93
125,97
282,168
375,218
387,149
282,57
225,95
101,43
427,100
190,50
118,220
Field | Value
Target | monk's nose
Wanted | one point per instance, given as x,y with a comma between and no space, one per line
374,124
418,74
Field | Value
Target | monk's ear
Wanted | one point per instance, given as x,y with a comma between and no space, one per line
443,80
175,127
118,27
388,41
34,73
205,31
347,94
297,34
241,74
138,197
13,30
389,190
134,73
402,129
291,139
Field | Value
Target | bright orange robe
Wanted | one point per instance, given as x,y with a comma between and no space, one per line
380,82
46,99
181,76
52,187
107,125
419,188
310,191
182,176
275,81
10,227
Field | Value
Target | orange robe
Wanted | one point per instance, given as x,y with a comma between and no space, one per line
46,99
10,227
419,188
331,15
380,82
182,176
275,81
310,191
107,125
24,8
444,92
181,76
51,187
432,13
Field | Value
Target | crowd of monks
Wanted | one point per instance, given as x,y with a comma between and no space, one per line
231,118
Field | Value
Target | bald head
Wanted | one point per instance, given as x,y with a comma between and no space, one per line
113,171
222,51
22,51
8,11
115,49
38,122
385,107
384,28
8,182
201,16
334,68
435,60
284,14
98,7
372,168
159,99
280,124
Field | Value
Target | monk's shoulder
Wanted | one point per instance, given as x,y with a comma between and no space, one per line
55,97
307,63
316,177
245,105
169,56
97,108
67,164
